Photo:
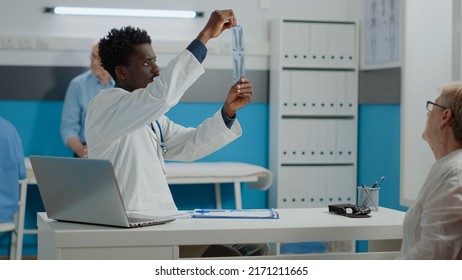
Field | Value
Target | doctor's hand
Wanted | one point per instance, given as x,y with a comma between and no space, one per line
239,95
218,22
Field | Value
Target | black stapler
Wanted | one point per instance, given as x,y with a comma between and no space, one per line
350,210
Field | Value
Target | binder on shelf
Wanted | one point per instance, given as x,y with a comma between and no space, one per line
305,50
296,92
296,140
289,50
322,174
286,87
324,81
331,92
297,186
347,175
312,149
314,90
349,37
286,141
296,33
341,86
304,136
292,192
304,92
284,182
332,186
312,187
270,213
334,44
331,140
323,142
346,139
351,94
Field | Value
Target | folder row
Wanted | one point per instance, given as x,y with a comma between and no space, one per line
318,141
319,44
315,186
310,92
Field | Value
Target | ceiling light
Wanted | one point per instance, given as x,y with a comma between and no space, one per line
122,12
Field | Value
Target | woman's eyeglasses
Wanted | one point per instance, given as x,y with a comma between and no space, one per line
431,105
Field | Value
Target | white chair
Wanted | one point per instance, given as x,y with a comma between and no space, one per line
17,228
4,227
12,169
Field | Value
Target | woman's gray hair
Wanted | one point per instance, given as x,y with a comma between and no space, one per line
451,97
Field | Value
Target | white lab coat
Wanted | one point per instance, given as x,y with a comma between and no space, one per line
118,129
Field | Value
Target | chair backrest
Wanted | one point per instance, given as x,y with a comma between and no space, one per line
6,227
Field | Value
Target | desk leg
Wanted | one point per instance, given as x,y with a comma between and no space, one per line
218,196
384,245
237,194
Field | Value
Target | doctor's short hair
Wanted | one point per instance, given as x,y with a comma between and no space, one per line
451,97
116,47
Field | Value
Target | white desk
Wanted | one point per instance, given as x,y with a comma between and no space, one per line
178,173
59,240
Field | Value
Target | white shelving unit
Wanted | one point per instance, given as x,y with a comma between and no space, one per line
313,116
313,112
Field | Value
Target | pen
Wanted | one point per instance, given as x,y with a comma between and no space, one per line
363,204
203,211
380,182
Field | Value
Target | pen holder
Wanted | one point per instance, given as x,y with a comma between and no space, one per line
368,197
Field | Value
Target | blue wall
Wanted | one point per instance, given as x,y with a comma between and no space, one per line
379,152
251,147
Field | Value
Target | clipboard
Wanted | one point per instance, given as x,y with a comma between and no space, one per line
269,213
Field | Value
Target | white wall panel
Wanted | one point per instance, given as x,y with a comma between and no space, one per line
427,65
72,36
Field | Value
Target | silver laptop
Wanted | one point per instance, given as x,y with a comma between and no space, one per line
84,191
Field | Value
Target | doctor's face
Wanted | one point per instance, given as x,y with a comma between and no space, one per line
141,68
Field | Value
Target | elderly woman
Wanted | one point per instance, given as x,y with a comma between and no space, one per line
433,226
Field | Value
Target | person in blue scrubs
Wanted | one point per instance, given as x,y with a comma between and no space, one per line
79,93
12,169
